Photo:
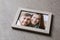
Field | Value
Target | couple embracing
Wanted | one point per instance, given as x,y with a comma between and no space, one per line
35,20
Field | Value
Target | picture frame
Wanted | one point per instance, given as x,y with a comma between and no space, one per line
46,17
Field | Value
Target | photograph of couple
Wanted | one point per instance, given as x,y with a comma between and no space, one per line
30,19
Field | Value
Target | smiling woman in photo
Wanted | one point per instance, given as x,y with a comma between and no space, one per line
37,21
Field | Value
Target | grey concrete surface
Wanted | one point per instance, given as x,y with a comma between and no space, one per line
8,10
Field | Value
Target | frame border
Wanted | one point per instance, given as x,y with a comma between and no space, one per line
46,30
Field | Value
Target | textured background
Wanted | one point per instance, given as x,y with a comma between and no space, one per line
8,10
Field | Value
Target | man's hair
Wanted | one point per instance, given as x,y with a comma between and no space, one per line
27,14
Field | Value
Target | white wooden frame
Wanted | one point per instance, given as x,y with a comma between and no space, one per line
46,30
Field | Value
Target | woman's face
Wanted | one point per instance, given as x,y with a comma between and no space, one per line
35,19
25,20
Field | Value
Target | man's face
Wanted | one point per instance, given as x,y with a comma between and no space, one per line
35,19
25,20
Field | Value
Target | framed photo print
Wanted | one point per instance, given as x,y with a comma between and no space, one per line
32,20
